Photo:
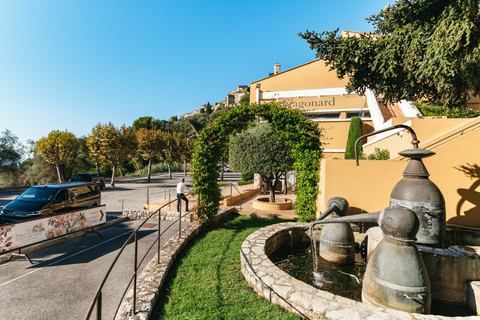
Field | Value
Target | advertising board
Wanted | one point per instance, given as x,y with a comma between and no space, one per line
29,232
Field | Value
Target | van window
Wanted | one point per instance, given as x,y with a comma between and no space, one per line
35,194
62,195
86,191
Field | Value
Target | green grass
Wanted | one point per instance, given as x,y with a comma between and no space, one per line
206,281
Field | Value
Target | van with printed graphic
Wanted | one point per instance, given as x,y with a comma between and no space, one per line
40,201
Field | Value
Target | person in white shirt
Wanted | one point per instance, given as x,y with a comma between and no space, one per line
181,189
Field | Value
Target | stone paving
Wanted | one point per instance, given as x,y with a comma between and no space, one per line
296,296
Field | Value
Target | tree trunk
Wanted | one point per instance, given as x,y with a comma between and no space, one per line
185,167
121,173
112,183
149,169
97,166
169,170
58,173
286,188
221,170
272,190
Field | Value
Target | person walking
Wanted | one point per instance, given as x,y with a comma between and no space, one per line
181,189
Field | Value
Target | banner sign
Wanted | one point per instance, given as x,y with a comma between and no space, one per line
25,233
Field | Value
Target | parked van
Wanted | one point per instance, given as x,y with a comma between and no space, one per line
39,201
98,178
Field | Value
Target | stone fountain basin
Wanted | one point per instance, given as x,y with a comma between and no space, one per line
279,204
296,296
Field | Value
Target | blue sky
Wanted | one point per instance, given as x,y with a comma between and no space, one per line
68,65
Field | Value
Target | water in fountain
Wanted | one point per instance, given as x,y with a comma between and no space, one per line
299,262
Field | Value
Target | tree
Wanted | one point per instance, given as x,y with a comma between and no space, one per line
208,109
11,151
245,99
261,150
419,49
150,144
57,148
112,145
172,151
147,123
187,148
354,132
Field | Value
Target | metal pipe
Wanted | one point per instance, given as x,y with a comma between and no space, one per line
180,219
159,235
324,215
415,142
335,204
358,218
135,275
99,306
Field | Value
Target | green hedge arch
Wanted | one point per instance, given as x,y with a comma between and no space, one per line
300,133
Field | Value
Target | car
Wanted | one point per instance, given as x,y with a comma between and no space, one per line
97,178
45,200
225,169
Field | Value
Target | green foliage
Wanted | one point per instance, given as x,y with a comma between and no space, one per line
245,99
11,152
112,145
57,148
260,149
245,182
299,133
431,110
354,132
207,282
247,176
420,49
208,109
379,154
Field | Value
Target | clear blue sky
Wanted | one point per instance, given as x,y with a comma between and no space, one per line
67,65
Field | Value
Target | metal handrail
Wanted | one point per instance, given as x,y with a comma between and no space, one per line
97,300
453,134
231,195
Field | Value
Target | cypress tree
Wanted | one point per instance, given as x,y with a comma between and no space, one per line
354,132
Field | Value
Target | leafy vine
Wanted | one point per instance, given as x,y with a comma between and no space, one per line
300,133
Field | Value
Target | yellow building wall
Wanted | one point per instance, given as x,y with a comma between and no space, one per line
335,134
367,187
428,131
311,75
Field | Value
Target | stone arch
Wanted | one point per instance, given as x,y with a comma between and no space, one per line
300,133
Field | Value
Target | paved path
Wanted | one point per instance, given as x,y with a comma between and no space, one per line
64,278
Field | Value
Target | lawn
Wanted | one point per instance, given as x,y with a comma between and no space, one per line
206,281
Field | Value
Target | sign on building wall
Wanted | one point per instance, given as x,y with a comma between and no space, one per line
25,233
322,103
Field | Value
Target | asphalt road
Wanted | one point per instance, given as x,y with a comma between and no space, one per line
64,277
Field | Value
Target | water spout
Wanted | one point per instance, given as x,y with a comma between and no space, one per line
415,142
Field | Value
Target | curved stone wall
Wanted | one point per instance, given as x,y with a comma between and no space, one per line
296,296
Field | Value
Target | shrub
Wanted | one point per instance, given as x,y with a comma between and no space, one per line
245,182
354,133
247,176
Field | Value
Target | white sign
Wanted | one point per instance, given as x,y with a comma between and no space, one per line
29,232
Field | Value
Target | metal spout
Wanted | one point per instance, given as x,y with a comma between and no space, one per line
358,218
336,204
415,142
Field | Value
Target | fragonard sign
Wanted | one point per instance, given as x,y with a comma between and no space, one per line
310,103
25,233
